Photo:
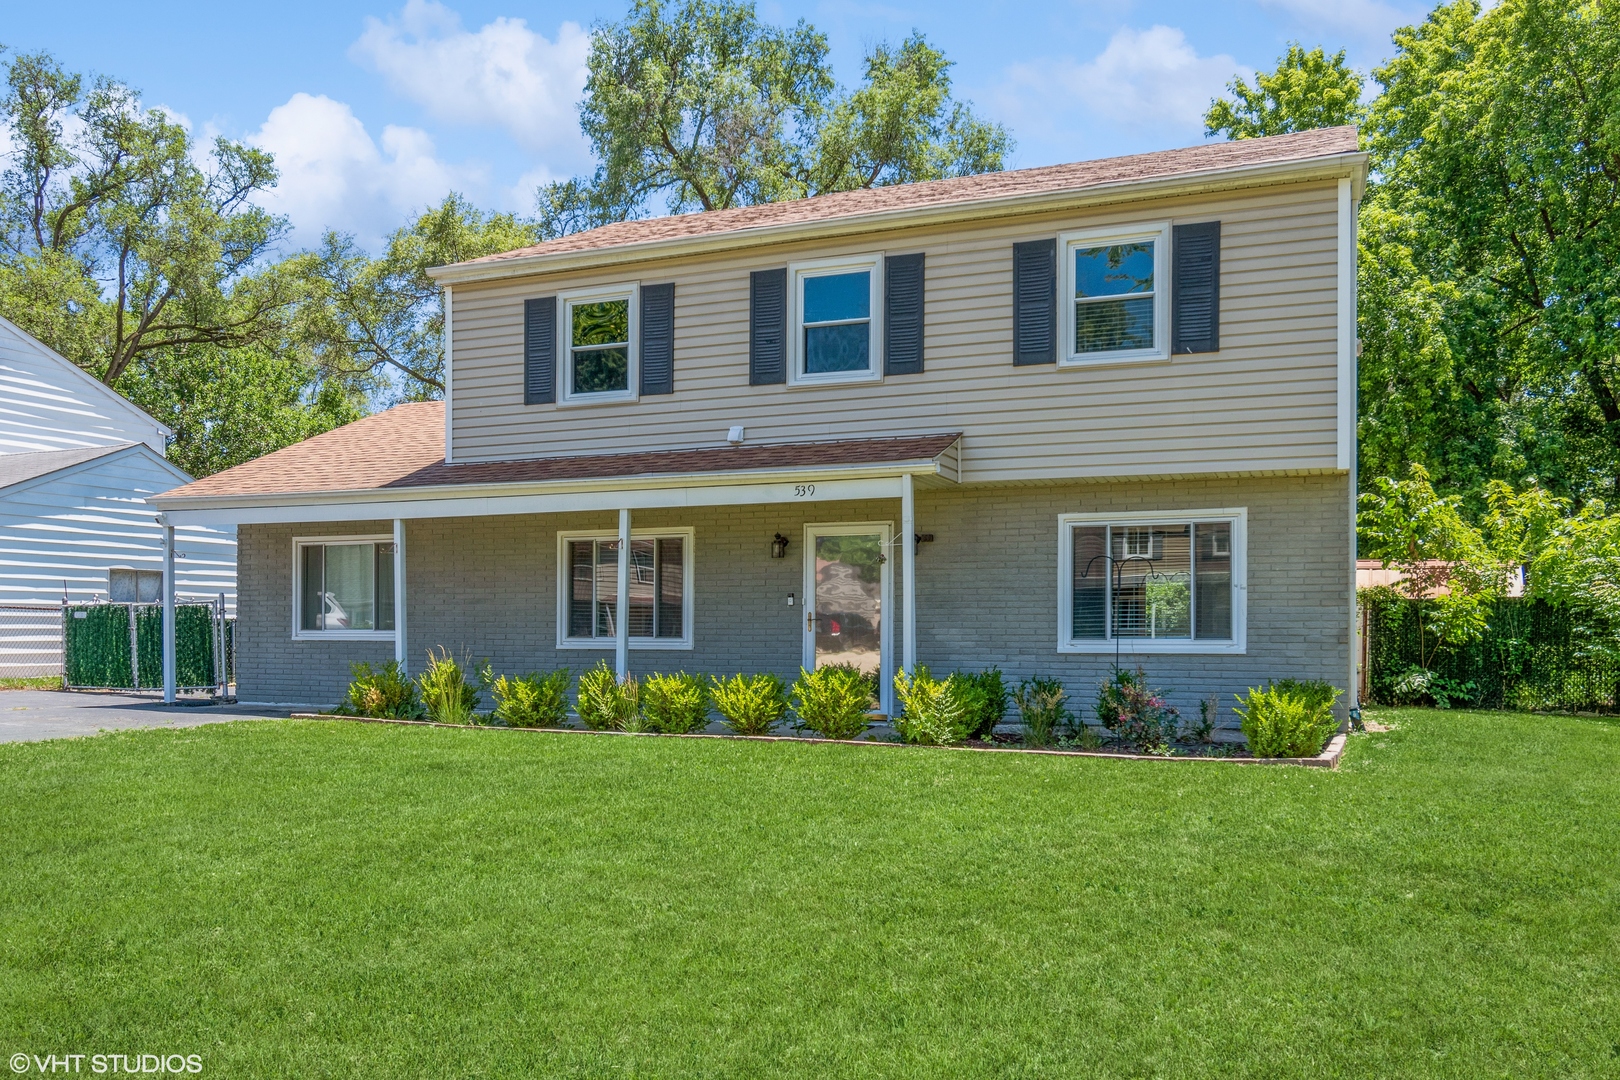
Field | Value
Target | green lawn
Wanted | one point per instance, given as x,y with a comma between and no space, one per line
330,899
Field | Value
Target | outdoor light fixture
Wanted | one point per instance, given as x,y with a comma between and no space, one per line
779,548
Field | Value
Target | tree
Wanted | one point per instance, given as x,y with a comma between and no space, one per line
1308,90
700,103
379,322
1496,135
115,242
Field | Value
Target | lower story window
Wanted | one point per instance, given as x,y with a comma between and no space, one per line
660,592
1155,582
345,586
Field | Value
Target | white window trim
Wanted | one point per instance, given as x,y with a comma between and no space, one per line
1238,516
688,590
300,634
797,272
630,291
1159,233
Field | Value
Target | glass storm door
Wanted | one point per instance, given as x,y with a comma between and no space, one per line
848,590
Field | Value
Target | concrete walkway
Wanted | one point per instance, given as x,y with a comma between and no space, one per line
30,715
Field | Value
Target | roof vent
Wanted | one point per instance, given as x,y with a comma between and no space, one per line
735,435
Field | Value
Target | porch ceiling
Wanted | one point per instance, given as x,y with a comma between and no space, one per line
392,465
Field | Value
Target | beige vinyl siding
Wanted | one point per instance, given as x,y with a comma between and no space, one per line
1266,402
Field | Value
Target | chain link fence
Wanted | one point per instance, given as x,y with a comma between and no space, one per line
30,641
1531,656
120,646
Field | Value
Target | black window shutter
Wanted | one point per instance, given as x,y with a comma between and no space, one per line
540,351
658,339
1195,288
1035,302
903,314
767,327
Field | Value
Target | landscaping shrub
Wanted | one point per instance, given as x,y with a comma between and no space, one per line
1204,730
750,704
677,704
446,694
606,704
1135,714
984,699
1040,702
833,701
1289,718
532,700
381,692
932,711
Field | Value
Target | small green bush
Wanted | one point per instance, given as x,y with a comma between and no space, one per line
1289,718
532,700
676,704
606,704
1040,702
750,704
984,697
932,713
446,694
383,692
833,701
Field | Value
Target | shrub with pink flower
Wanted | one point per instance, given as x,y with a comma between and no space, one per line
1137,715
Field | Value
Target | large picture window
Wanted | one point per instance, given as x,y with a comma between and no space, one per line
1115,294
344,587
660,590
598,331
1170,582
836,331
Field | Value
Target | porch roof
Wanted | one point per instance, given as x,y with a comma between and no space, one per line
392,464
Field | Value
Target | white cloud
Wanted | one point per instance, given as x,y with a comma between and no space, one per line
335,175
503,75
1147,89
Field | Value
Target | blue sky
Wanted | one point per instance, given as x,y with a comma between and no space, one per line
375,109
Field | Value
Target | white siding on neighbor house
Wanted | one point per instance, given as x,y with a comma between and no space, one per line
1266,402
66,529
47,403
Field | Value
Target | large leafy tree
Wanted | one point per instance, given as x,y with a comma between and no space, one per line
114,242
1307,90
701,105
379,322
1497,136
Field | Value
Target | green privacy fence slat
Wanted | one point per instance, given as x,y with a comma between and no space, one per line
96,646
1531,656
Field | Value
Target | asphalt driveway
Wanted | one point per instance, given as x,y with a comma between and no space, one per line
30,715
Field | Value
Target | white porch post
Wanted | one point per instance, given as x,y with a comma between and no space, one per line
621,617
399,591
908,581
168,613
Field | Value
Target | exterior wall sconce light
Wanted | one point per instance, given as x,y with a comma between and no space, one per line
779,547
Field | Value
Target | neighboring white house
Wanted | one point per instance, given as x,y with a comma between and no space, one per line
77,464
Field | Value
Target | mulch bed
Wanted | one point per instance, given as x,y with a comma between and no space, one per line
1227,752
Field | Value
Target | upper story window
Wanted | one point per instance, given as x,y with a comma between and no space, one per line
1115,294
598,335
344,587
1153,582
836,333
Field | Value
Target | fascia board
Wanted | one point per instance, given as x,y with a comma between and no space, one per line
439,492
1197,183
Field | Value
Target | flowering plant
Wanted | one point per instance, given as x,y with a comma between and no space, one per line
1135,714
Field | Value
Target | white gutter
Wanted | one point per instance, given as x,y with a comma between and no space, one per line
1337,166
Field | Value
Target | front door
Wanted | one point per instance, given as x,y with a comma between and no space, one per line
848,598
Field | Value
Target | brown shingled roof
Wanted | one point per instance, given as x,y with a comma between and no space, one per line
404,448
1209,157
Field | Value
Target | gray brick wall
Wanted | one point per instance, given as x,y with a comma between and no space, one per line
986,586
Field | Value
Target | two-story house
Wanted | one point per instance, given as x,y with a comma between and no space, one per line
1037,419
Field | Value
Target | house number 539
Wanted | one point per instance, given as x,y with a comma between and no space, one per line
803,491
